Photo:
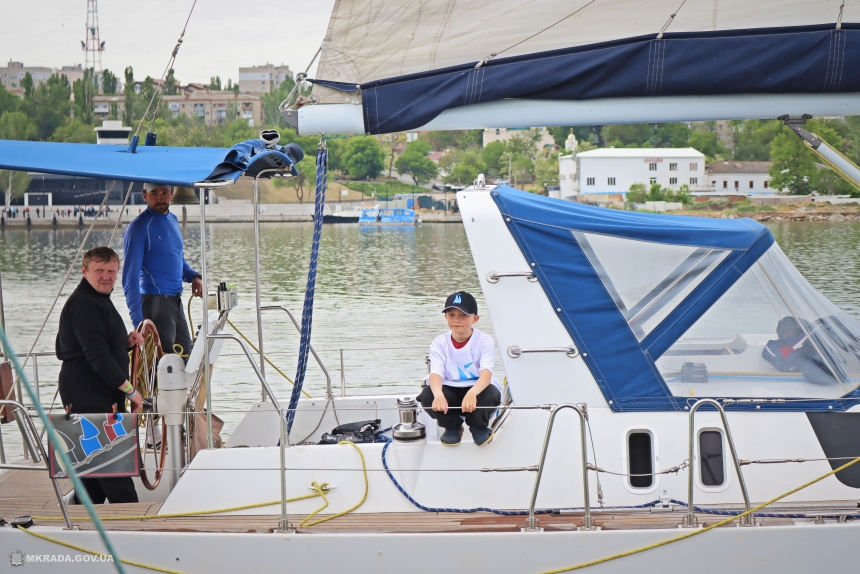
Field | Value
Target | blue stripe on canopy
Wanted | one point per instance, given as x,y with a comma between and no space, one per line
158,164
789,60
622,366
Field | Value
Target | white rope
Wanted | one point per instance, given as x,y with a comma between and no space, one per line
839,19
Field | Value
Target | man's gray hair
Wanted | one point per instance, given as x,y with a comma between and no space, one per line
99,254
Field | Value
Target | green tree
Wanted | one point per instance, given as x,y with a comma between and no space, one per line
304,181
628,135
753,139
84,90
109,83
390,144
671,135
16,181
546,168
15,126
129,96
76,131
215,83
363,157
708,142
637,193
171,86
27,84
8,101
492,157
142,100
238,131
464,166
798,170
414,161
49,105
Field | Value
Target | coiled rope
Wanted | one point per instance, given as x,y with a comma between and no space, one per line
308,308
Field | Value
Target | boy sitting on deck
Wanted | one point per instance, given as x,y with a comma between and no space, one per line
461,375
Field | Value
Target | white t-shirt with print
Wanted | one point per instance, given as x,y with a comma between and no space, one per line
462,367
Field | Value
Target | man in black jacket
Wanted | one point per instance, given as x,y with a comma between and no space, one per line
93,345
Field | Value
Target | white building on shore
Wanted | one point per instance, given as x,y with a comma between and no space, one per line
614,170
740,177
568,183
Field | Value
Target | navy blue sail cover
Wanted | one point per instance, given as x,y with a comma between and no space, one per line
785,60
156,164
623,366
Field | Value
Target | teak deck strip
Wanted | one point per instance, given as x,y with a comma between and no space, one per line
30,493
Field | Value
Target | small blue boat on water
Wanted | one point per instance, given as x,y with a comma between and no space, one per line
388,216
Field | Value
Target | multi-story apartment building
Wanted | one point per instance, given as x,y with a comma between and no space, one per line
214,108
14,72
259,80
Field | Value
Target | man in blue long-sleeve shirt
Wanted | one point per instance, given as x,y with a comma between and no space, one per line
154,269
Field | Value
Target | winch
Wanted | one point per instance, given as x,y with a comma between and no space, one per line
408,429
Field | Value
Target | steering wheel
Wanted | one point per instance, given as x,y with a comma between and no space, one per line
143,369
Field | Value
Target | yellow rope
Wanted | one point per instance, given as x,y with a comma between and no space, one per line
256,350
94,553
705,529
320,488
196,512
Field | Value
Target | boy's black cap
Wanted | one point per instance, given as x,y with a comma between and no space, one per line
462,301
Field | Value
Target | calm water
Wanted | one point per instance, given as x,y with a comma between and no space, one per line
379,293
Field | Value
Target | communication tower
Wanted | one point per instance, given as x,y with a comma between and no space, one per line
93,46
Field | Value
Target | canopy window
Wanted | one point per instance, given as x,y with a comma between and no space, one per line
646,281
771,335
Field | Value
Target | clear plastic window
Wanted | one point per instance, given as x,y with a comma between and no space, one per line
647,280
771,335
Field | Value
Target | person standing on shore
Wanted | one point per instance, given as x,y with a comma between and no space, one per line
155,268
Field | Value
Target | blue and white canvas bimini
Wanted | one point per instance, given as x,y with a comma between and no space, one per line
667,308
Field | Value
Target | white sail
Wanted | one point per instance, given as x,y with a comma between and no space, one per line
407,63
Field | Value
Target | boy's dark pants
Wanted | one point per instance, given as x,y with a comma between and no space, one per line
479,418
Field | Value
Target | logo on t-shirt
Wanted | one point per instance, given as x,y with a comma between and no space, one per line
467,375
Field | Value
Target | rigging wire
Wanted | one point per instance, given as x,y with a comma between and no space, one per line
669,21
160,88
299,79
574,13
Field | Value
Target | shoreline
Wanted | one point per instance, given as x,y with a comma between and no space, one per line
105,223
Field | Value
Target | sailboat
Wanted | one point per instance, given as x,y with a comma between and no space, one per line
677,394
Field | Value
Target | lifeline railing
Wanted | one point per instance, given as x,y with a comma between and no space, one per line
587,521
328,393
690,518
284,523
32,444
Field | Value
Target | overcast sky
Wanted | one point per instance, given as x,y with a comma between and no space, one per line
221,36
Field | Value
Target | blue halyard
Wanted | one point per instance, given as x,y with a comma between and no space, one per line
308,308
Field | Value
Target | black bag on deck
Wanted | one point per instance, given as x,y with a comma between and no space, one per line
360,432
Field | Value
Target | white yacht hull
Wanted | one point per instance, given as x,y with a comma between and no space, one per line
775,549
